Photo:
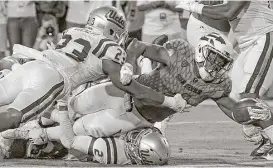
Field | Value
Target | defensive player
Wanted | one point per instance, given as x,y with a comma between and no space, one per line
82,55
196,74
145,146
252,25
199,25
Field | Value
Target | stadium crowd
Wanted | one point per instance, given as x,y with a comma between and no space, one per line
203,39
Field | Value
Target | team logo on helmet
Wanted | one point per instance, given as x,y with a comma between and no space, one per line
113,17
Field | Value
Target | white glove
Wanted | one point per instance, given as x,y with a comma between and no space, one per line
126,73
191,6
177,103
260,114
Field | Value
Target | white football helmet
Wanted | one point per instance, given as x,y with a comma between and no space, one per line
147,147
110,21
213,56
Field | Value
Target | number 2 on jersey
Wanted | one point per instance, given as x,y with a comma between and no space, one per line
119,58
77,55
98,153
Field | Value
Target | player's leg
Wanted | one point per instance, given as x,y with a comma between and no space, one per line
29,31
13,32
255,75
3,40
10,87
109,122
96,98
41,86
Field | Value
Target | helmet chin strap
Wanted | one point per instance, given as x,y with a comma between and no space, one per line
205,75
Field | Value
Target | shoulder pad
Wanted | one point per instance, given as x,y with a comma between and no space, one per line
116,54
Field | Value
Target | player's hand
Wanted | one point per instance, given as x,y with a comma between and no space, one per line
191,6
261,113
126,74
134,50
181,104
156,4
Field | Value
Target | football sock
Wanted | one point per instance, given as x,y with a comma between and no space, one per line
53,133
67,134
269,132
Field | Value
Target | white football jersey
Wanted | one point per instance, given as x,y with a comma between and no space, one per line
78,55
252,22
108,151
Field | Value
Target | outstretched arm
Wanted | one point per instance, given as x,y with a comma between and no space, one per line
226,104
137,90
227,11
151,51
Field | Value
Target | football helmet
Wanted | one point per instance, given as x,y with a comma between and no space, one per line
111,22
147,147
213,56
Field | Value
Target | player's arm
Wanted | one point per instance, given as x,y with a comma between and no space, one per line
112,69
227,105
244,115
225,11
152,51
145,5
139,91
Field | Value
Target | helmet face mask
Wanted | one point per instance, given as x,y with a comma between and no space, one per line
110,22
147,147
213,58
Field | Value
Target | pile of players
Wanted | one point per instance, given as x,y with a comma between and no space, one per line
111,120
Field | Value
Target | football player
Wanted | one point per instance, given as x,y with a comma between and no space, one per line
196,74
251,22
199,25
82,55
145,146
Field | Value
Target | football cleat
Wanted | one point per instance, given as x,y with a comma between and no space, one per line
263,151
36,135
17,133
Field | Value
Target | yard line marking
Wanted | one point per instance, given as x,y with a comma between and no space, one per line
200,122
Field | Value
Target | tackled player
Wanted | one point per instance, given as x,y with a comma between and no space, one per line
82,55
252,25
